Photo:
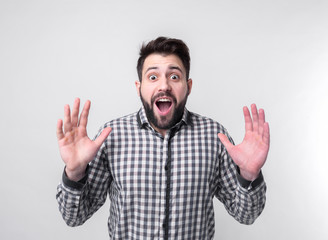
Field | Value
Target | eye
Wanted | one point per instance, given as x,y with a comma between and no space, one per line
152,77
175,77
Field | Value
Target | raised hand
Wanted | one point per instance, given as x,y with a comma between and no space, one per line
76,148
251,154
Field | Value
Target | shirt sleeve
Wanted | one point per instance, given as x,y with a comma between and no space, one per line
244,200
78,201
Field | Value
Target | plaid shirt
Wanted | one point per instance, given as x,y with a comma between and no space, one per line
161,187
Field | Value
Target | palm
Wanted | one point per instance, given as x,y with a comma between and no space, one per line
250,155
76,148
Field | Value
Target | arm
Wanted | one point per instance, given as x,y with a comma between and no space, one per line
77,197
241,201
242,185
78,201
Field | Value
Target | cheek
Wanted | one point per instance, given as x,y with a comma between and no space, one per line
182,93
146,92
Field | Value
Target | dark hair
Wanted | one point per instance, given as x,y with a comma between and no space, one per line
166,46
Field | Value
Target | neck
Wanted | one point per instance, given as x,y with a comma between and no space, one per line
161,131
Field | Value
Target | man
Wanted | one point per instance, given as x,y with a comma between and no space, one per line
161,166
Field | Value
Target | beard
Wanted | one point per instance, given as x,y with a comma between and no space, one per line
164,122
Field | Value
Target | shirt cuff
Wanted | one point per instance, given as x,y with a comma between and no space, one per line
75,185
249,184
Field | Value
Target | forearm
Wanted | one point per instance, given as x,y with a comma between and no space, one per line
249,200
71,200
243,199
244,204
77,201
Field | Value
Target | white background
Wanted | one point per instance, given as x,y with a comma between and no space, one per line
273,53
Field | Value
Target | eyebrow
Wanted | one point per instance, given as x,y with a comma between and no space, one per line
151,68
170,67
175,68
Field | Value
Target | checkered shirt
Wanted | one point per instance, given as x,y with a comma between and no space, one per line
161,187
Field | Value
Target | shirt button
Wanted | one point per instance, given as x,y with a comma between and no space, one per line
166,168
164,225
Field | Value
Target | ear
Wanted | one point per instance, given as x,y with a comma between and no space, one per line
189,82
138,84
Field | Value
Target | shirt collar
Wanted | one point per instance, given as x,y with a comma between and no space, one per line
143,120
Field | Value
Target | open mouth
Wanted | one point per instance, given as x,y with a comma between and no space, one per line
164,105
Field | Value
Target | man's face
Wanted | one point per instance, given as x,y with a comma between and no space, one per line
163,90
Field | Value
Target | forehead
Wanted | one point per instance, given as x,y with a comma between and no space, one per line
160,61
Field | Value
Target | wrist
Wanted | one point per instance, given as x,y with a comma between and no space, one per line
249,184
75,175
250,176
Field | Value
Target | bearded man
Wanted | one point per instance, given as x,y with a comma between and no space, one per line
162,165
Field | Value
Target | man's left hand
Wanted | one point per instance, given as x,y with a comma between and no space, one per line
251,154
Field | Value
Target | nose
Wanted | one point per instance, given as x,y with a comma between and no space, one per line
164,84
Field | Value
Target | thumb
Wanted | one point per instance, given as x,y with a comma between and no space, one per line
104,134
225,141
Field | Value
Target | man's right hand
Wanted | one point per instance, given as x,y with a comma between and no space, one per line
76,148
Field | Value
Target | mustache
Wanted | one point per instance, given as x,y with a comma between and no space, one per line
163,94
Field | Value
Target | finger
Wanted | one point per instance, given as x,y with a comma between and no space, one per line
59,132
75,112
248,120
261,121
266,133
67,119
225,141
255,117
102,137
85,114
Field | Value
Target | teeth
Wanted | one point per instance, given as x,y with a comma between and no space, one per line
164,100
